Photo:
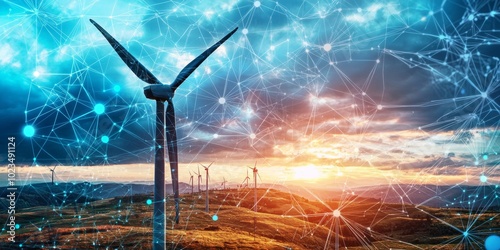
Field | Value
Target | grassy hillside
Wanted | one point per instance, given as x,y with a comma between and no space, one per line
283,221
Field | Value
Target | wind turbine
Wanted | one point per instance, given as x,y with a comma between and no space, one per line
206,177
191,181
52,170
224,183
246,179
255,173
161,93
199,180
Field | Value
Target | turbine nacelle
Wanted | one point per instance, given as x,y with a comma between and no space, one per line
159,92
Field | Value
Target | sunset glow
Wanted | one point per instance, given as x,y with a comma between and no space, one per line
306,173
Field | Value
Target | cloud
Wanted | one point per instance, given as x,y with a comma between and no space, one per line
7,54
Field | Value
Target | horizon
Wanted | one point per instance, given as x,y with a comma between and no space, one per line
331,177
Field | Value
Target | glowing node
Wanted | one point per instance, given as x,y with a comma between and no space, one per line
149,202
105,139
216,136
466,234
244,31
336,213
29,131
484,95
222,100
483,178
18,226
117,88
215,217
492,242
36,73
379,107
256,4
485,157
327,47
252,136
99,108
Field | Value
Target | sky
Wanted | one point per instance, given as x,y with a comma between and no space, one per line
325,92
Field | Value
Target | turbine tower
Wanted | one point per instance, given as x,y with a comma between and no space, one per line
162,93
206,177
199,180
191,181
52,170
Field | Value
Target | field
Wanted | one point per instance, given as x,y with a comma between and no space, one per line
282,221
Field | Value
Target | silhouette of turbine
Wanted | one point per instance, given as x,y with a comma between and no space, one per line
161,93
224,183
52,170
206,197
191,181
199,180
255,174
246,179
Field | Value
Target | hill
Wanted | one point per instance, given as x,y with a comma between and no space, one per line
282,221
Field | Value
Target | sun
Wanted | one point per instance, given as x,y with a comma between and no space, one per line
306,173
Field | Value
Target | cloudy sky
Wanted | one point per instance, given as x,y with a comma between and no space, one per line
314,91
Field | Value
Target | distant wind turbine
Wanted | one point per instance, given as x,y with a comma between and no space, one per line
255,174
191,181
161,93
199,180
224,183
52,170
246,179
206,177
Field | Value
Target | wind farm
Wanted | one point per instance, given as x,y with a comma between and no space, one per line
297,222
370,125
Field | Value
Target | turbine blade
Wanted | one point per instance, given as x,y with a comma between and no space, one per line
186,71
210,165
134,65
172,154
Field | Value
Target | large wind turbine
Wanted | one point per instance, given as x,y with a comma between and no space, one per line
206,177
161,93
